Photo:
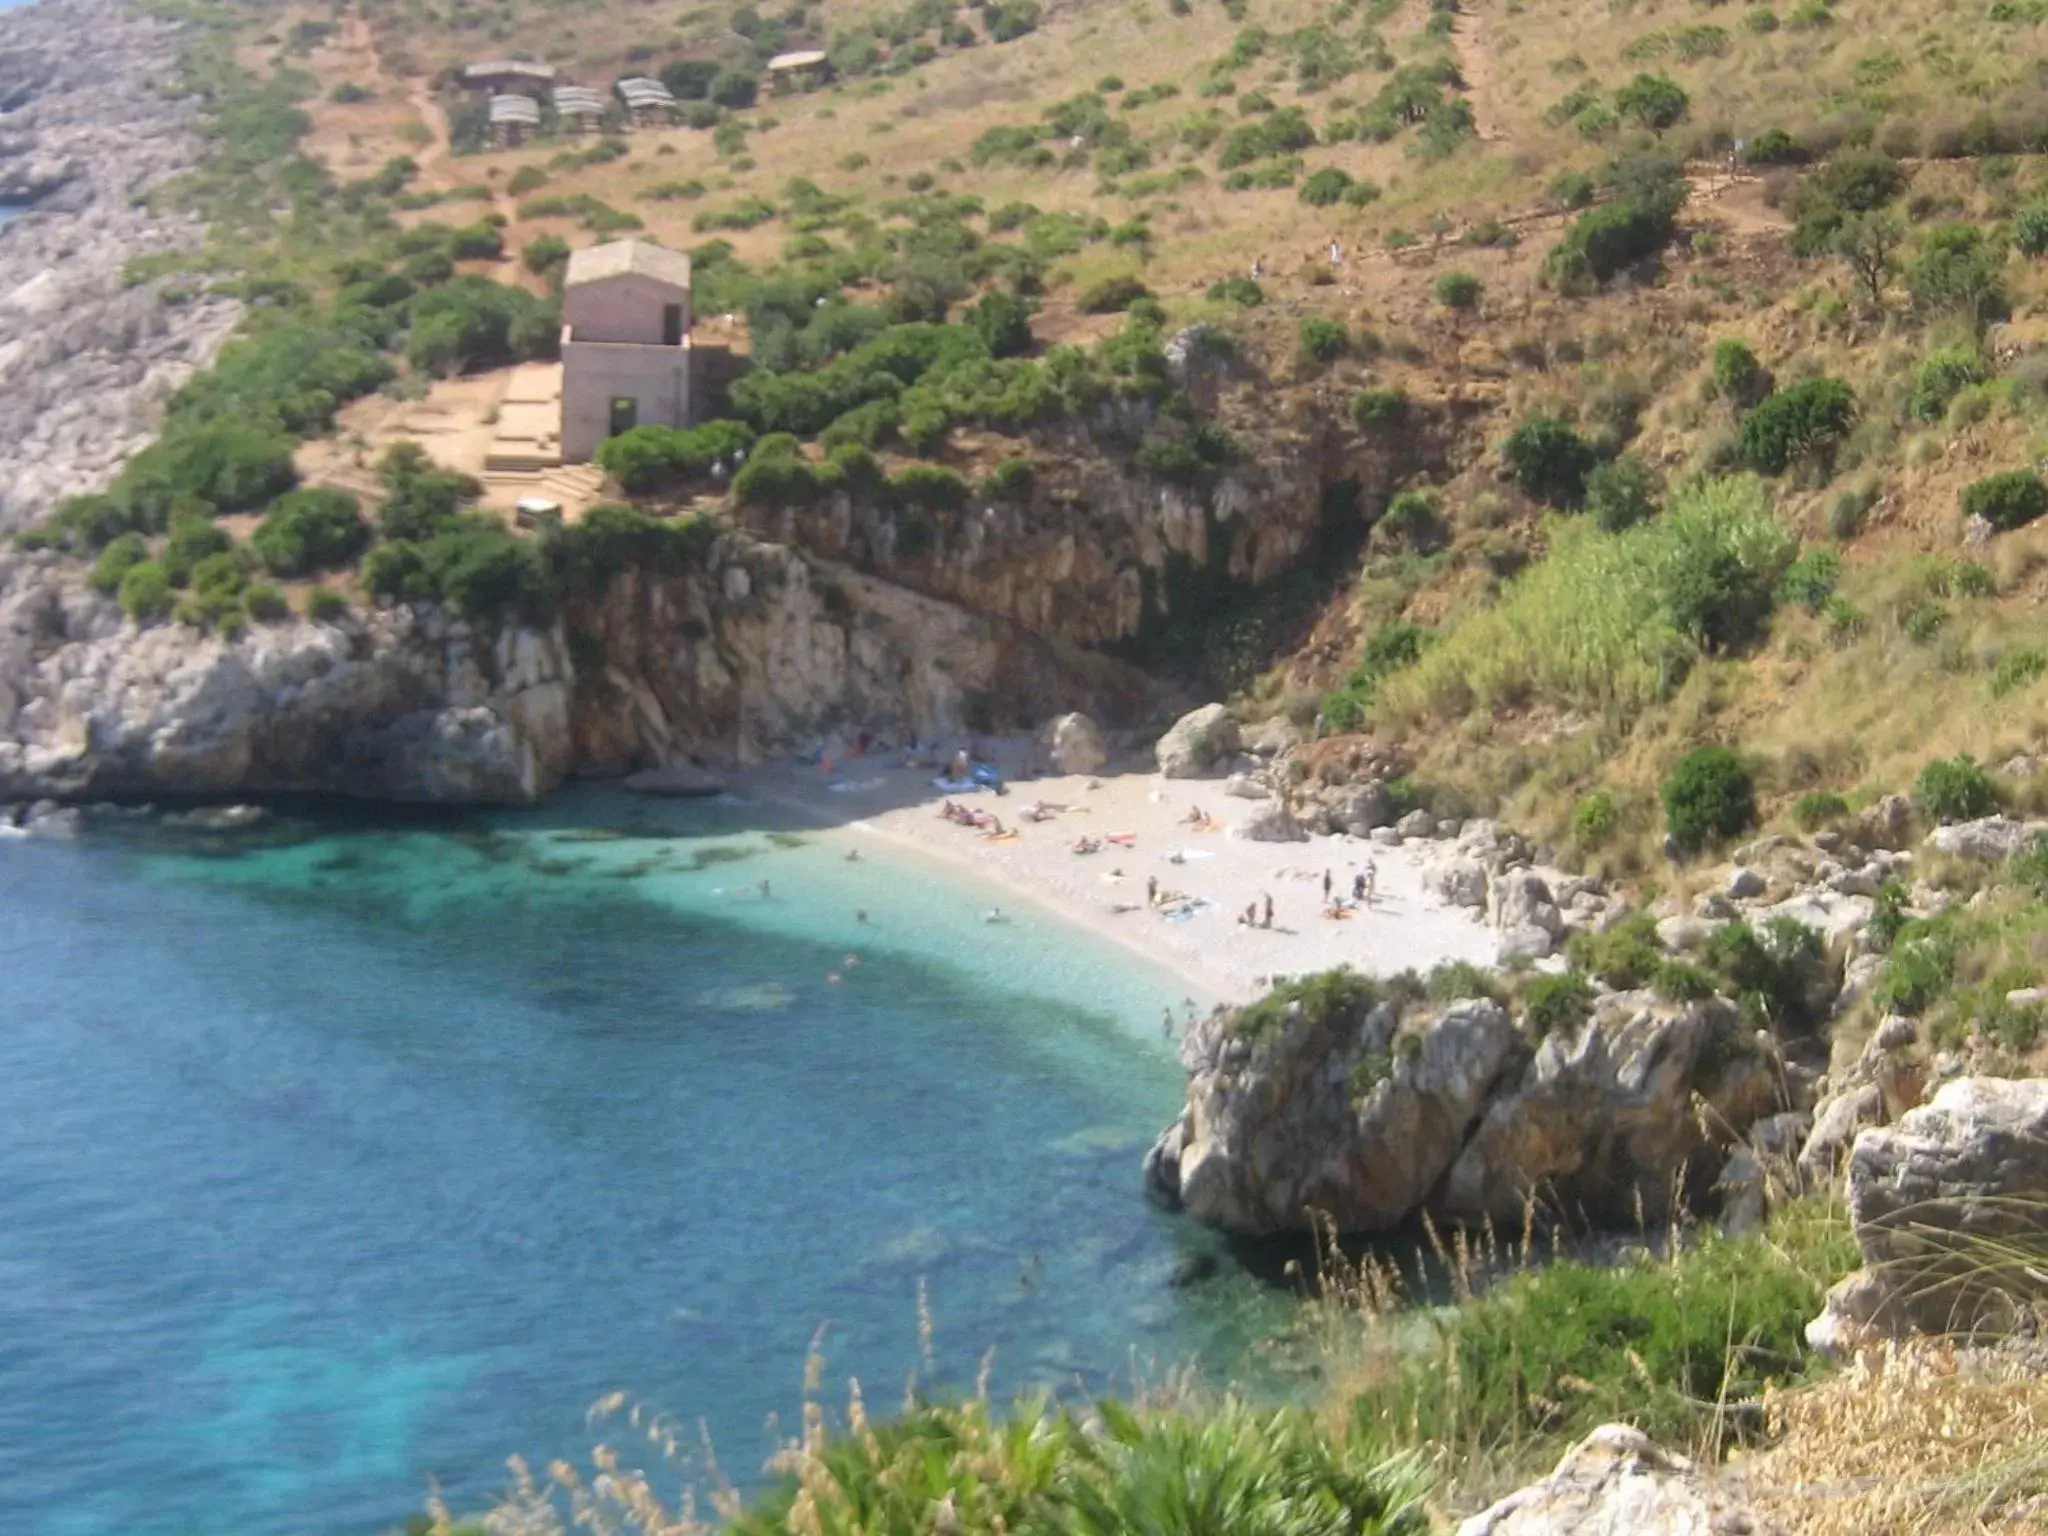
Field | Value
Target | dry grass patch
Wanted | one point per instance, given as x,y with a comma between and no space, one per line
1927,1440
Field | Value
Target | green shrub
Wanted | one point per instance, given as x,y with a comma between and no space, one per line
1738,377
325,605
1676,982
1955,789
2030,229
1389,649
1242,291
1941,378
146,593
265,604
1011,480
1379,407
1595,818
1003,322
1654,101
1326,1000
1625,957
1708,798
116,561
1621,493
1573,190
1550,461
1811,579
1921,967
1555,1005
655,458
1819,808
1326,188
2007,501
1781,975
1605,240
1958,271
1809,420
1458,290
2016,669
311,530
609,539
1111,294
193,538
419,497
545,254
1323,341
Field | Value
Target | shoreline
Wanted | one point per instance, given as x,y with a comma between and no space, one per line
1213,955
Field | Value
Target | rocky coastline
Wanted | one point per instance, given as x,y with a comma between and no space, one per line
87,361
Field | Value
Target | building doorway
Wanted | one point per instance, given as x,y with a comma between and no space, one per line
671,325
625,414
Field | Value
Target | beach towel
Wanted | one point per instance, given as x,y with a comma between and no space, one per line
1182,855
1006,837
957,786
1124,839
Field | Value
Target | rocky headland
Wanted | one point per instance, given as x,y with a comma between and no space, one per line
86,359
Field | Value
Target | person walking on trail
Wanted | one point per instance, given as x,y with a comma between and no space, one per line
1336,252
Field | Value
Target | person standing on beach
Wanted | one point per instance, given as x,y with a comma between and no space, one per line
1268,920
1151,890
1358,887
1372,880
1327,883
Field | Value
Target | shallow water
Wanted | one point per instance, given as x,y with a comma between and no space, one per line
361,1160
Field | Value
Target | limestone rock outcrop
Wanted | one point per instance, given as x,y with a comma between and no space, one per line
1947,1207
87,358
404,704
1072,743
1197,742
1368,1118
1617,1482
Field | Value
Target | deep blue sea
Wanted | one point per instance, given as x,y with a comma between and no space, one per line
368,1155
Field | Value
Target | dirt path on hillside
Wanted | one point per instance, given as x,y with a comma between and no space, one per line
1476,64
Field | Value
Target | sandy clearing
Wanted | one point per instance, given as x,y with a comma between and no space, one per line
1219,958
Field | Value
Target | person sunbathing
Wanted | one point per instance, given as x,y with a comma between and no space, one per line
1087,845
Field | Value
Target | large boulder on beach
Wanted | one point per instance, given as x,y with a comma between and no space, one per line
1269,822
1617,1482
1197,742
1073,743
1946,1208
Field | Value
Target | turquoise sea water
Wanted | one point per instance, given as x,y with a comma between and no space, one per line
368,1158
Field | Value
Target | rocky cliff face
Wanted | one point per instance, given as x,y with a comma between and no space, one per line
762,650
391,705
85,361
1100,550
1370,1118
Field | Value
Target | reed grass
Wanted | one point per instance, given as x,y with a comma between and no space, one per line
1598,625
